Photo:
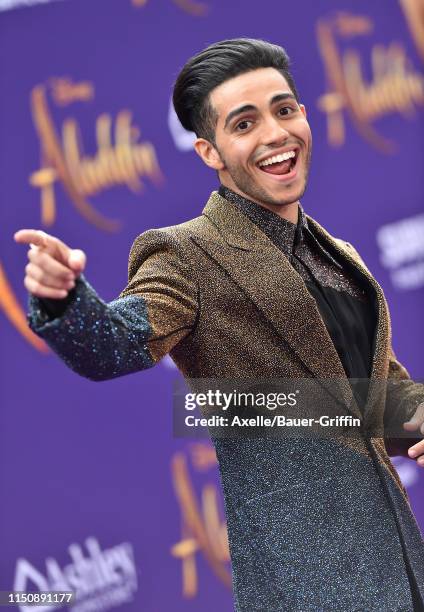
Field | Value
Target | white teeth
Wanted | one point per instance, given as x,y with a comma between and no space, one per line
277,158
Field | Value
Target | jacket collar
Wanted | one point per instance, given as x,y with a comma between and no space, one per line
283,233
286,235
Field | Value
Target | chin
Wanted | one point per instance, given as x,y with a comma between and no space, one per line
291,196
284,199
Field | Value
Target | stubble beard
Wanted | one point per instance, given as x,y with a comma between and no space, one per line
255,192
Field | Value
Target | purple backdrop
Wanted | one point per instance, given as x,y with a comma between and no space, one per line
96,493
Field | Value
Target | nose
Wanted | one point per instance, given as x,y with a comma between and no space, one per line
274,132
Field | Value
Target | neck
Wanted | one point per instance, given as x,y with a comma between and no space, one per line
289,211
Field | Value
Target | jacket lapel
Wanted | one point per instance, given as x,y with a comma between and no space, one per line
266,276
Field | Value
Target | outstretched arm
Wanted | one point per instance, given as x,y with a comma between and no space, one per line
104,340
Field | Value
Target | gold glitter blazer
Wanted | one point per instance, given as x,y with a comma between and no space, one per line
318,524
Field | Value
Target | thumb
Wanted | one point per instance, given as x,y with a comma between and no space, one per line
77,260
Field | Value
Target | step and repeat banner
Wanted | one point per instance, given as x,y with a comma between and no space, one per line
97,494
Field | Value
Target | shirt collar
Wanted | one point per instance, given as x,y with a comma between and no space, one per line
284,234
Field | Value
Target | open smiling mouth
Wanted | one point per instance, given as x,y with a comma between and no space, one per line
280,164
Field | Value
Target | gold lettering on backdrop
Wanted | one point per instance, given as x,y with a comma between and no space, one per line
395,87
414,13
192,7
122,162
64,91
13,311
202,529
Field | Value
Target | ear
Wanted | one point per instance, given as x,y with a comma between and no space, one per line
303,109
208,153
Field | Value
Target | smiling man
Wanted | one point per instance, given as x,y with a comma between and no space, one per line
261,148
254,288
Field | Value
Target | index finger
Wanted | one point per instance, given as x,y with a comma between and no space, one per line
30,236
51,244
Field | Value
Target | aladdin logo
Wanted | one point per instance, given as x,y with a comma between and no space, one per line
402,252
126,161
414,15
395,86
203,531
102,580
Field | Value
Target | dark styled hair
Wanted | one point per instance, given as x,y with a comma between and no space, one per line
215,65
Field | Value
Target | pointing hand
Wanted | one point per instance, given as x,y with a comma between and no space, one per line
53,267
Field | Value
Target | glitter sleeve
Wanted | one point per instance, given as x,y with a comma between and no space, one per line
156,310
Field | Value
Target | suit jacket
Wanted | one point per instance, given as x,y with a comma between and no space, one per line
313,524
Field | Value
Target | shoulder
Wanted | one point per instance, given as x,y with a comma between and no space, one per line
172,241
173,234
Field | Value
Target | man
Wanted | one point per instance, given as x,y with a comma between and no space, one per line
255,289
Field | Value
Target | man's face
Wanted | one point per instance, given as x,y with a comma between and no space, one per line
262,140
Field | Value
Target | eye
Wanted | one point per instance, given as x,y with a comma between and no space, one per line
286,110
244,125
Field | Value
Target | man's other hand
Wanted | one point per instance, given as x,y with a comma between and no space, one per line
53,267
414,424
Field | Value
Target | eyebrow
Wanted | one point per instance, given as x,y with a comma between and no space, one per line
250,107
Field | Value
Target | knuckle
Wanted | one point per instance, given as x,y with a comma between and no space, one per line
43,236
32,286
34,272
42,278
42,257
